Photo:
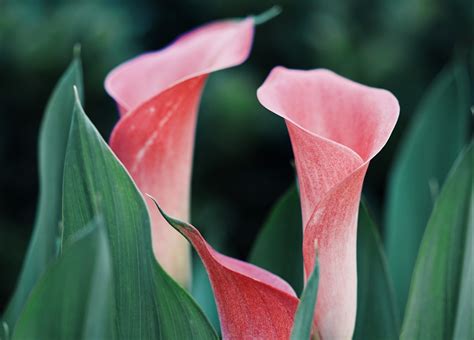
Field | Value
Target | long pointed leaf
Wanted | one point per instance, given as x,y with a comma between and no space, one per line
442,278
149,304
305,312
435,138
53,138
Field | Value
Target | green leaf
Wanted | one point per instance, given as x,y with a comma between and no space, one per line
440,304
305,312
149,304
202,292
437,134
278,247
72,299
53,138
377,314
464,328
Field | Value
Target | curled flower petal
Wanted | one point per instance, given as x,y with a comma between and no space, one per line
209,48
158,96
336,127
252,302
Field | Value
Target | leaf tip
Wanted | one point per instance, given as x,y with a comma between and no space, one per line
176,224
155,202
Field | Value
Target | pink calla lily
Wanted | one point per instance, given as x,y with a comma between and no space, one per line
158,96
336,127
252,302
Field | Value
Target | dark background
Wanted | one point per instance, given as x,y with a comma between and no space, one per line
243,155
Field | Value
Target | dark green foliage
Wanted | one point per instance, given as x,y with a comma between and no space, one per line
437,134
203,294
72,299
44,244
441,300
278,247
377,314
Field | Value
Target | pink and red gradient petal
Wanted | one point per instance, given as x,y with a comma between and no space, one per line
252,302
158,97
336,127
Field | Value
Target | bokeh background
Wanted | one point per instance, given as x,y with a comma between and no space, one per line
243,155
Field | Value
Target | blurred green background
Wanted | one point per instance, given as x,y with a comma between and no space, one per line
243,155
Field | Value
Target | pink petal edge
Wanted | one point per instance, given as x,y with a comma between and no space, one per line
336,127
158,96
206,49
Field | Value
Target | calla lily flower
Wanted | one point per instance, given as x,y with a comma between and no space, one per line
252,303
158,96
336,127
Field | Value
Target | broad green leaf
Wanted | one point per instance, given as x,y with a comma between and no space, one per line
278,247
149,304
305,312
72,299
435,137
440,304
53,138
377,314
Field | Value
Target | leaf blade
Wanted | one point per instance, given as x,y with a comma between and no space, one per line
72,299
439,270
305,313
283,231
53,138
421,168
375,292
149,304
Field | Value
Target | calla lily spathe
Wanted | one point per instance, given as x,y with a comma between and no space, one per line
158,97
336,127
